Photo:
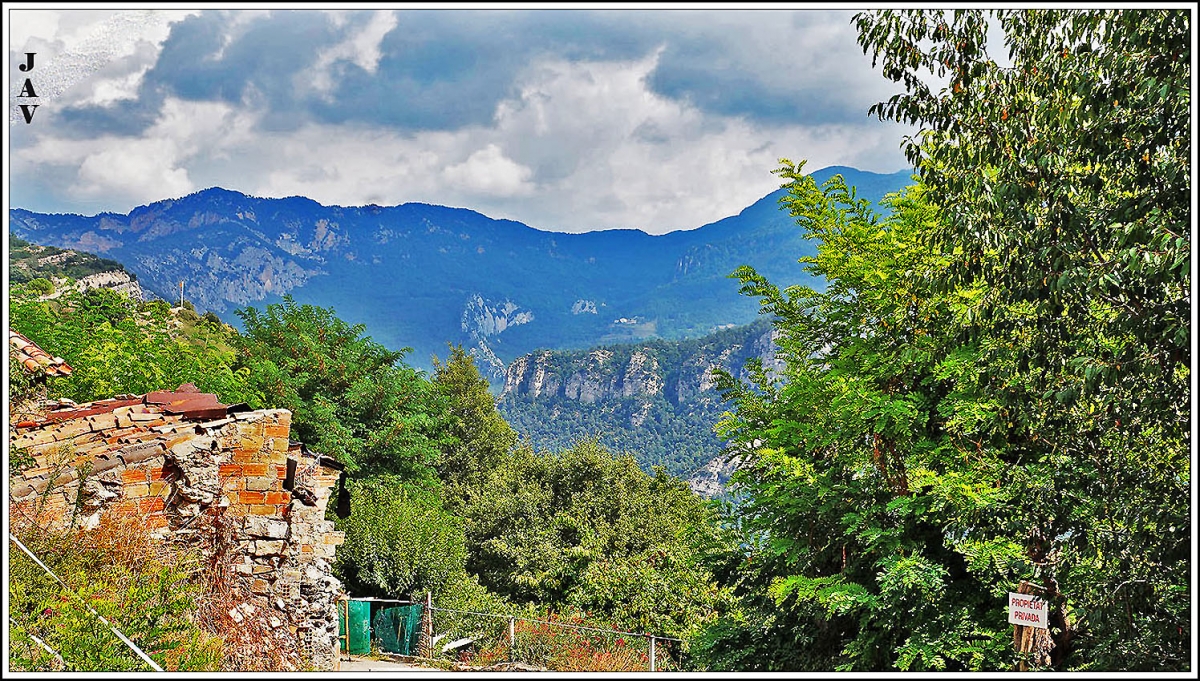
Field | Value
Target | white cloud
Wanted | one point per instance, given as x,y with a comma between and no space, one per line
578,145
128,172
87,57
361,48
489,171
143,170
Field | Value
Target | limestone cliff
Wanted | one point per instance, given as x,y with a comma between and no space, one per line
656,400
679,371
116,280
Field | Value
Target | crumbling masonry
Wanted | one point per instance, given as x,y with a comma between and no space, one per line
175,457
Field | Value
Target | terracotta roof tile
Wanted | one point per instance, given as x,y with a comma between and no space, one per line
118,431
35,359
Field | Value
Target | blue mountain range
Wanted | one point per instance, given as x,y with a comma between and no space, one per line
422,276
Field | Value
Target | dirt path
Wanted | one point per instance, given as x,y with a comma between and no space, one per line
367,664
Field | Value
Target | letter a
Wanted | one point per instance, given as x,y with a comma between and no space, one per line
28,87
28,110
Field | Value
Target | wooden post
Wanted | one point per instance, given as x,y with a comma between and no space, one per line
652,661
425,647
344,639
512,639
1032,643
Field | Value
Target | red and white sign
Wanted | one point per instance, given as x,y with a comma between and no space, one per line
1027,610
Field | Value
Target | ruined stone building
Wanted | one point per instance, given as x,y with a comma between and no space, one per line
224,478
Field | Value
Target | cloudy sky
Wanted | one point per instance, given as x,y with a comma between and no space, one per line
567,120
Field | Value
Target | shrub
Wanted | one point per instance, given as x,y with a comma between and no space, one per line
119,572
41,286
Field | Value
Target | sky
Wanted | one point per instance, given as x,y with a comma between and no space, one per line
568,120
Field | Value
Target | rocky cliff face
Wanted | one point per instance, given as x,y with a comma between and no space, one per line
116,280
679,372
656,400
484,320
710,480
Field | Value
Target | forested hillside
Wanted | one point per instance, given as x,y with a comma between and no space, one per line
27,261
656,400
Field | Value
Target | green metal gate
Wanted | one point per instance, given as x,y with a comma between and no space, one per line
398,629
358,638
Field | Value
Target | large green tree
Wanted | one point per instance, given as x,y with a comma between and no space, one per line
862,548
994,386
586,530
350,397
1066,180
479,437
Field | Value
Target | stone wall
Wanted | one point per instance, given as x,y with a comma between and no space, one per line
190,480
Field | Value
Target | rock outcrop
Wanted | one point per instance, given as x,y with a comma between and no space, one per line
115,280
639,370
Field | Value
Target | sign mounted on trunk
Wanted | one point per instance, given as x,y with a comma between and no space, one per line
1027,610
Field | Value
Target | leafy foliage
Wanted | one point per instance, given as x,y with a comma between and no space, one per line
150,599
993,386
478,437
350,397
1065,179
399,540
117,345
584,529
853,482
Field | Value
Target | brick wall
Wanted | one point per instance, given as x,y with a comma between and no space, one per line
126,457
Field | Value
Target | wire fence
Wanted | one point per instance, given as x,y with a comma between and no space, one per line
488,639
116,632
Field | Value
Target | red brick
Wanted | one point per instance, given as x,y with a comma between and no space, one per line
158,473
254,469
263,510
281,471
251,497
242,455
277,431
229,469
278,497
150,504
131,477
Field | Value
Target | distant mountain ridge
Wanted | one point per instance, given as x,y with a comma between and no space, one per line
420,276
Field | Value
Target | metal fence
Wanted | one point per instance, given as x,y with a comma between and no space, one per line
484,639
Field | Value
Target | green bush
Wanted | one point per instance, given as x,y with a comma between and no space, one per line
40,286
